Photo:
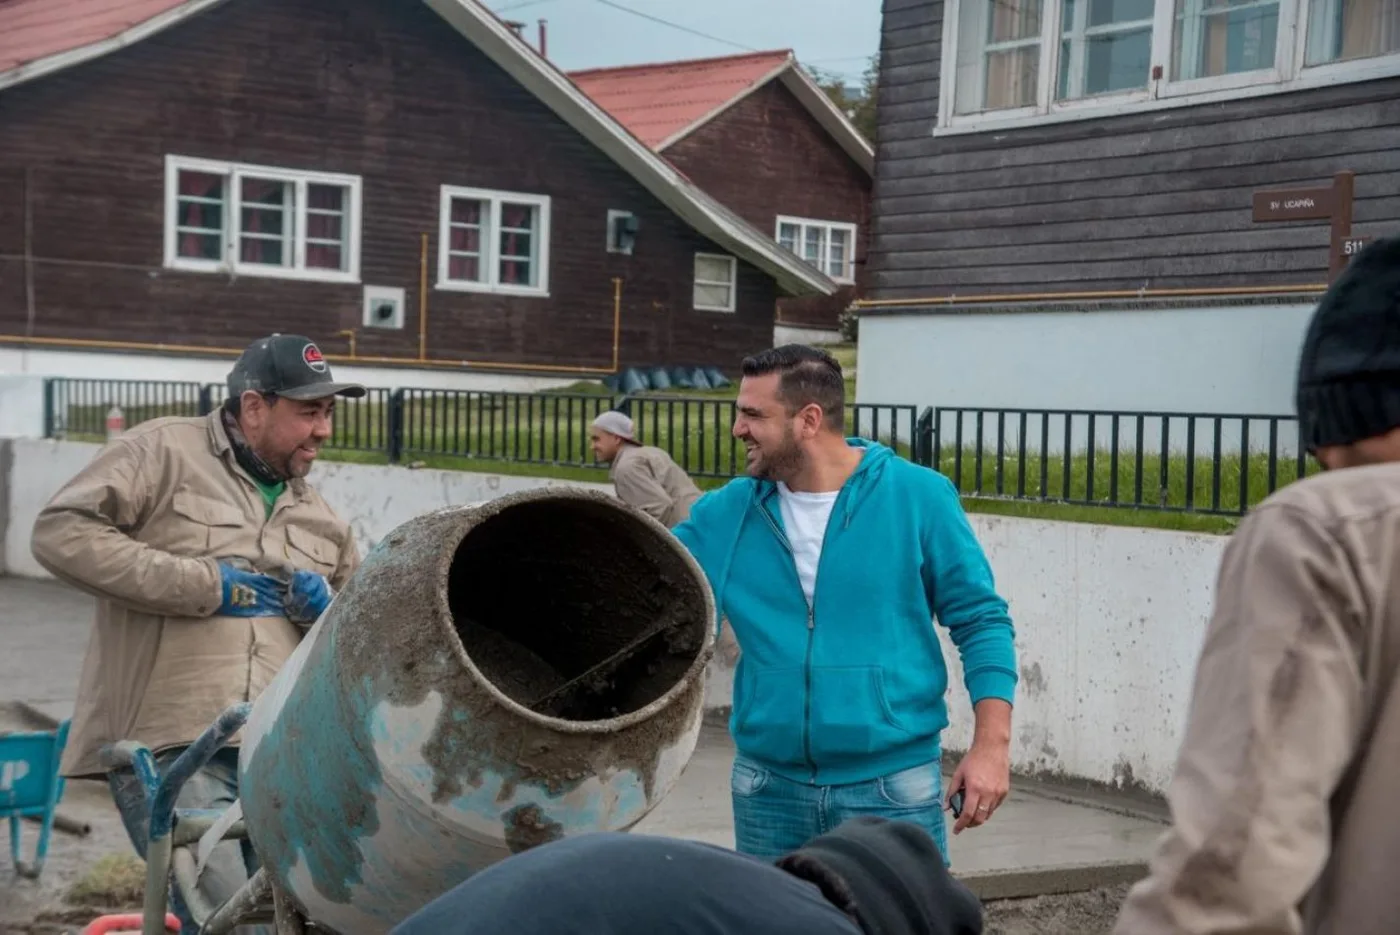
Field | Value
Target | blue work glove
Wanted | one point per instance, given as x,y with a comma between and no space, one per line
248,594
308,596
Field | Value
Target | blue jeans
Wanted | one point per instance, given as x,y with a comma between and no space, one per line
215,786
774,816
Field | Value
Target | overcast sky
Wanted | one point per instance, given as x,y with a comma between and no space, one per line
834,35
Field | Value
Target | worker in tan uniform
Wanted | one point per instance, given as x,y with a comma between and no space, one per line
1285,815
208,553
644,476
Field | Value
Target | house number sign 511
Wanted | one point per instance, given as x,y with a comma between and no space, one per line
1332,202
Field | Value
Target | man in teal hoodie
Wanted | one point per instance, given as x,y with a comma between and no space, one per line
831,560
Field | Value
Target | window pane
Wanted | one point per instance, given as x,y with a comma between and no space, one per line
788,235
517,244
464,268
466,218
710,296
265,221
1223,37
814,245
1339,30
998,54
711,269
838,265
325,256
199,215
1106,47
1011,78
325,226
1010,20
1106,12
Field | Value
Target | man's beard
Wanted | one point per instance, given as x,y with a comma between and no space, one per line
781,464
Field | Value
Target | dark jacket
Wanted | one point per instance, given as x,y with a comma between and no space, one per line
630,884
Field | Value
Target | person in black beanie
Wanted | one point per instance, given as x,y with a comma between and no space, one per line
1349,371
869,876
1284,813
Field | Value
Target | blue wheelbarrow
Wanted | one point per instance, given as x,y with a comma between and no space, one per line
31,787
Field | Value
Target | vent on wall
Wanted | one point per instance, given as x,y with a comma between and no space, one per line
383,307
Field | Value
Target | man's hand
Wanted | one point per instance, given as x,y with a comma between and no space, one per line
248,594
308,596
984,775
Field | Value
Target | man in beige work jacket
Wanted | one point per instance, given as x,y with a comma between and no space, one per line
208,553
1285,816
644,477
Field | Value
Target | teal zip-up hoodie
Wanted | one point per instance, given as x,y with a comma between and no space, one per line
852,687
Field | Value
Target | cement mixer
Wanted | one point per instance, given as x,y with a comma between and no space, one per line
492,678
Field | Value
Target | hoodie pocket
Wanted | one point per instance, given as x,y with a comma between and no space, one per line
768,715
851,717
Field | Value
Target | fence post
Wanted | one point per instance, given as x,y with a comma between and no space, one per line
394,426
923,435
206,399
50,406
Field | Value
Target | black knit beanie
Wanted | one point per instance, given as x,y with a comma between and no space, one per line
1349,370
890,876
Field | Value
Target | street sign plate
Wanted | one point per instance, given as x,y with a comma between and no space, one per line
1296,204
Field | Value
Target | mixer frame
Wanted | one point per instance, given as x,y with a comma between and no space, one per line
180,839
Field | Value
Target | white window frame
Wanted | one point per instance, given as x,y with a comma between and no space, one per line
1290,73
491,242
802,224
733,282
234,173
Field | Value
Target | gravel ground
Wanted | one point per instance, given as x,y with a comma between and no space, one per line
1089,913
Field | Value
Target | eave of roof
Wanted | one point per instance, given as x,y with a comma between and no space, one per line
511,53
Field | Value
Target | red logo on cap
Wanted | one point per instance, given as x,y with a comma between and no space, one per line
311,355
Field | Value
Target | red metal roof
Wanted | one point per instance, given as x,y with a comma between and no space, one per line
35,29
656,102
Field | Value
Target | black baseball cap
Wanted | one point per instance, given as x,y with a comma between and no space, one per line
288,365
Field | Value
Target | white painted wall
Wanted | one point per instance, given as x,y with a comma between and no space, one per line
1239,360
122,366
815,337
1109,619
21,407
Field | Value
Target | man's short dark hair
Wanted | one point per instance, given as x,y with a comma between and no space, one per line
807,375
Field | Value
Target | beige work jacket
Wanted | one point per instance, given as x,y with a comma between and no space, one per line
1286,799
647,478
141,528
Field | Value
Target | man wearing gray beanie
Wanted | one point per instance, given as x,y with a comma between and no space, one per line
1285,814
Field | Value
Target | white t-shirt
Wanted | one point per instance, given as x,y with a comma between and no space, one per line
805,516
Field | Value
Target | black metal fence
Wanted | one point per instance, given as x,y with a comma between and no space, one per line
534,428
1199,462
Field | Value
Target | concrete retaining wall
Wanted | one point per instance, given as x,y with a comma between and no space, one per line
1109,619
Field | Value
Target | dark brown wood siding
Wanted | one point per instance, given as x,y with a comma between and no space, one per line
767,156
1146,201
387,91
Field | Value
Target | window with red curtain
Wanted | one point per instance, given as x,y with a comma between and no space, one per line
265,228
325,226
199,223
468,217
517,257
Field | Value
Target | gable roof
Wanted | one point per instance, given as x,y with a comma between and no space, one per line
665,102
38,37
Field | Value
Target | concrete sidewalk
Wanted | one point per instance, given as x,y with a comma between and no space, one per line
1040,841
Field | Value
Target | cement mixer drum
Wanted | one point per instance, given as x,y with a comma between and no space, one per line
492,678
